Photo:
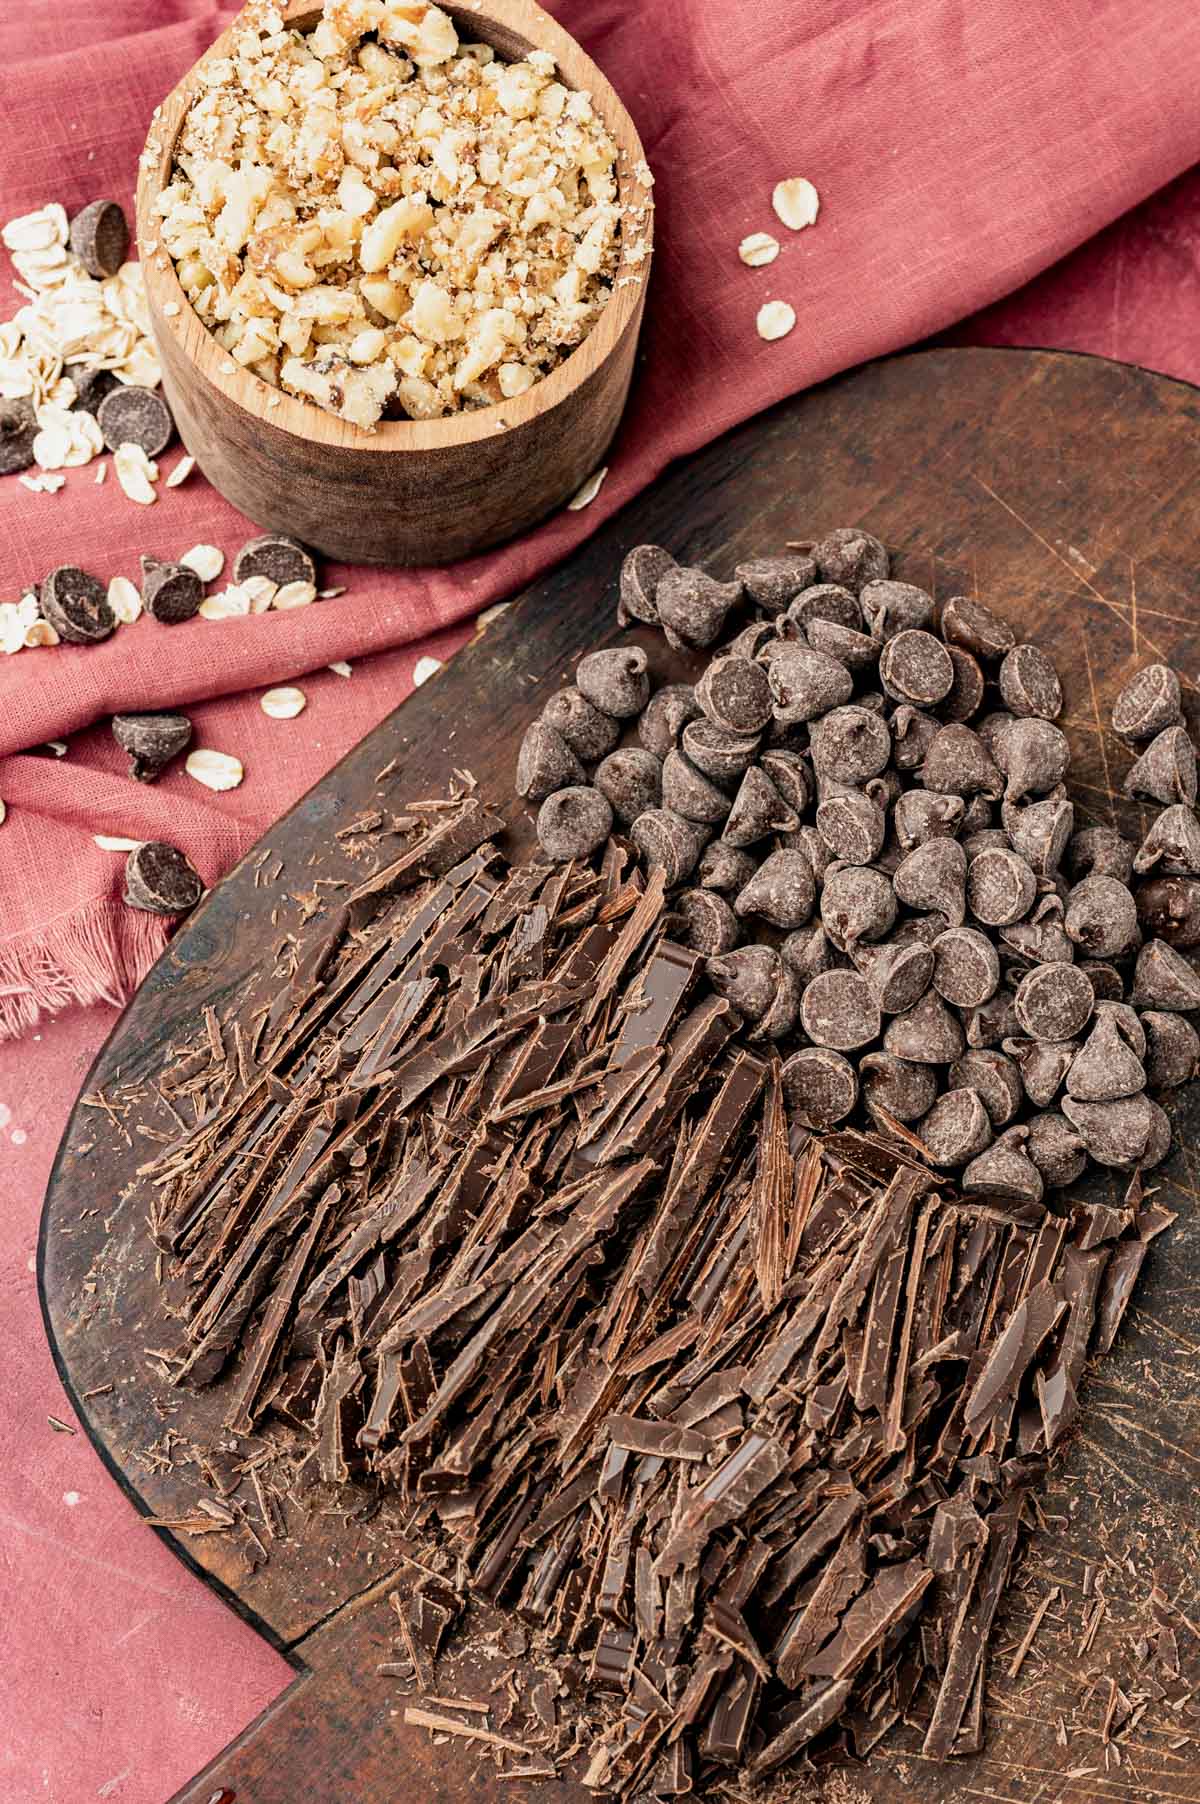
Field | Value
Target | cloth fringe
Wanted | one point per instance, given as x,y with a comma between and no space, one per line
97,953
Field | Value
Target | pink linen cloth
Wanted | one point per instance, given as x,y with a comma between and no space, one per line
958,150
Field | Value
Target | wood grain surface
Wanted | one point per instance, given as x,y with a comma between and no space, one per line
1061,488
413,491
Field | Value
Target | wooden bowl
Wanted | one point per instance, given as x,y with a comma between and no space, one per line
412,491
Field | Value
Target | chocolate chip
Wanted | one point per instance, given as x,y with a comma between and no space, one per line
724,868
1102,917
1040,939
926,1034
839,1011
966,969
573,823
819,1086
921,815
827,602
1127,1022
1166,770
1173,841
280,559
692,606
1005,1170
977,815
1116,1134
1105,979
756,641
135,416
996,1080
898,972
587,733
616,681
965,697
717,753
747,978
851,745
632,781
976,628
842,643
1168,908
1054,1002
850,556
91,386
956,1129
735,694
901,1089
805,684
852,827
758,810
772,582
934,876
808,840
688,792
18,429
1034,755
913,732
1163,979
1040,834
1043,1065
99,236
857,903
1105,1067
151,741
891,608
792,777
1149,702
809,951
780,1020
642,571
1000,887
160,881
915,667
781,891
1172,1050
958,763
1056,1149
76,606
705,922
1029,684
172,593
1158,1141
666,841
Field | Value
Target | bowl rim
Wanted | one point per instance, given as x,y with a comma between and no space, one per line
173,316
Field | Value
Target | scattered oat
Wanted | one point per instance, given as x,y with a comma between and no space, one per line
260,591
589,491
3,812
775,320
136,473
171,309
293,595
331,594
283,704
796,202
484,620
57,746
180,473
41,485
424,669
101,472
339,668
40,632
229,604
216,770
207,561
124,600
758,250
108,842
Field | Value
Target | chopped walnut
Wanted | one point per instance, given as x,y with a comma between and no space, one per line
381,219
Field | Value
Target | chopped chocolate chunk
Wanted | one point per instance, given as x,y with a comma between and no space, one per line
160,880
151,741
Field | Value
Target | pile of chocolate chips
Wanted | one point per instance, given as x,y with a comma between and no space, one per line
861,814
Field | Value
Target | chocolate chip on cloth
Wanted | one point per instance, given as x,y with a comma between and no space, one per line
857,903
735,694
688,792
1000,887
692,606
1101,918
705,922
850,745
851,557
151,741
590,734
781,891
956,1129
1168,908
99,237
172,593
135,416
1166,770
804,684
273,555
748,979
18,429
890,608
160,881
1149,702
573,823
773,582
76,605
1172,842
642,571
666,842
724,868
915,667
632,781
1029,684
820,1087
616,681
899,1088
1054,1002
839,1011
994,1077
976,628
758,811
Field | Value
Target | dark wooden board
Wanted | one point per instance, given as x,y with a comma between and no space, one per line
1063,486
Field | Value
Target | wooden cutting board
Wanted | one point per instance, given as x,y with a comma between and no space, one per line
1062,488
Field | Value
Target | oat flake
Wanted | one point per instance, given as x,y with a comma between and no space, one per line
216,770
775,320
424,669
293,595
124,600
796,202
107,842
136,473
589,491
339,668
207,561
283,704
758,250
181,472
